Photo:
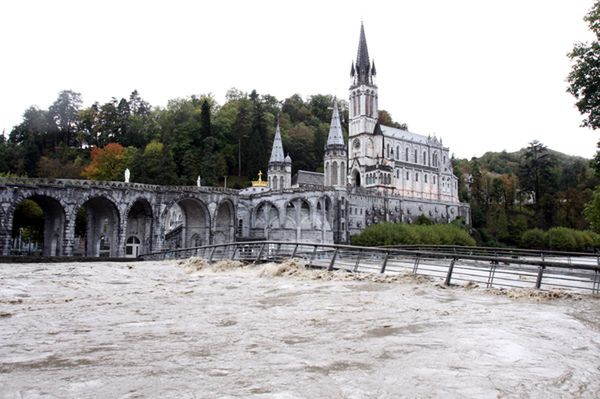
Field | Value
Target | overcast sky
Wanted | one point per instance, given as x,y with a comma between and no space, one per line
482,75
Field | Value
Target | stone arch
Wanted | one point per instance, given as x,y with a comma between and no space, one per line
139,224
266,217
54,224
102,226
298,214
356,178
324,212
194,229
225,222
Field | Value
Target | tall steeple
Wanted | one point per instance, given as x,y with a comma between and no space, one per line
336,136
277,151
364,142
362,71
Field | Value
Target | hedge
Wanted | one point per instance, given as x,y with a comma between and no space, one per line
561,239
404,234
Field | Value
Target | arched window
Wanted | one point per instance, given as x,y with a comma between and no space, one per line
406,155
274,182
388,151
334,173
424,157
416,156
281,187
397,152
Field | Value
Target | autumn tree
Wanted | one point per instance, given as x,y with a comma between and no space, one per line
109,162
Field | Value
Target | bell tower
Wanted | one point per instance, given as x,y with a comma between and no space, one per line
363,105
335,153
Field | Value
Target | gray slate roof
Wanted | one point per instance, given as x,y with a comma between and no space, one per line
306,178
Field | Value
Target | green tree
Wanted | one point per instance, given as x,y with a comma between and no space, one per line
591,212
64,112
154,165
584,78
536,171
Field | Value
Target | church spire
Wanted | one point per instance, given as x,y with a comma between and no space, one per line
277,151
363,64
336,137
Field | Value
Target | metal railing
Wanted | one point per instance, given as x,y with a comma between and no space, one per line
516,253
450,266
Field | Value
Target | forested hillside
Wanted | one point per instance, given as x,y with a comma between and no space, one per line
190,137
531,188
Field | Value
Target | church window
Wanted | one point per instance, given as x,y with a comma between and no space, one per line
416,156
397,173
434,180
424,157
407,175
406,155
416,177
398,153
388,151
425,177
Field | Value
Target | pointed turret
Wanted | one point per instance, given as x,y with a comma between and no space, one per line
335,159
277,151
336,137
280,167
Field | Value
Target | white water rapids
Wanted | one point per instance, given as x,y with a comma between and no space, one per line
167,330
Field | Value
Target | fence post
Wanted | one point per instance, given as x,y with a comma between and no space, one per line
262,248
357,260
330,268
235,248
416,265
312,255
449,275
538,281
387,254
491,276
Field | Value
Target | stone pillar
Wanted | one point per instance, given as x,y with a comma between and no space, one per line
69,233
121,233
5,234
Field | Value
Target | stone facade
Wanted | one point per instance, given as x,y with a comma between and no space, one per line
381,174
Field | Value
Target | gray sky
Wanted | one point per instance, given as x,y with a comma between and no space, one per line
482,75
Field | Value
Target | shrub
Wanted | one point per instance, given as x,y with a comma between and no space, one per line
403,234
533,239
561,239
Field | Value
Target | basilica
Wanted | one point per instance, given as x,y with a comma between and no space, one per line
381,174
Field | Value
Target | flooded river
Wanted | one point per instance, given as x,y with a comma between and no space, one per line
166,330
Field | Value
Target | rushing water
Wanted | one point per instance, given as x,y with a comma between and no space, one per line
157,329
